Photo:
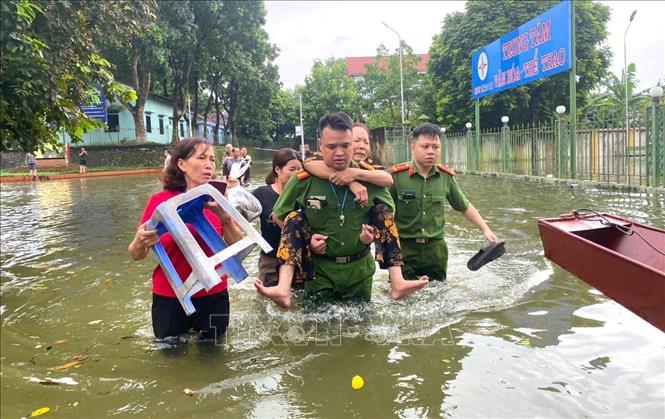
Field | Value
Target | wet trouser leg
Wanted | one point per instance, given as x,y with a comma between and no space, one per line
429,259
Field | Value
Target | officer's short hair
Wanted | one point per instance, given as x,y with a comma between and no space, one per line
425,129
336,121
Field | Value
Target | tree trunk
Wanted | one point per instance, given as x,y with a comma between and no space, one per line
231,111
180,84
139,125
216,134
195,127
142,89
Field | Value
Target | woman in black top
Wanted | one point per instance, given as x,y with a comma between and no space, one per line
83,160
285,164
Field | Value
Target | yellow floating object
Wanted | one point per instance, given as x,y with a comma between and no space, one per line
357,382
39,412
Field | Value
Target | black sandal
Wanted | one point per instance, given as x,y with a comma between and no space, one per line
486,255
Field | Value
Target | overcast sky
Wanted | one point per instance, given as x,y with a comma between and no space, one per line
306,30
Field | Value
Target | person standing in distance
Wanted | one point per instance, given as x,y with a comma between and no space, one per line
31,162
83,160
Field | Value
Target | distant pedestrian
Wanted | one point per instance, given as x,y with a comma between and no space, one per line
245,159
307,151
83,160
31,162
229,161
167,158
228,154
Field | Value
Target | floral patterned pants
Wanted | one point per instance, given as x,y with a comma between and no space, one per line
296,234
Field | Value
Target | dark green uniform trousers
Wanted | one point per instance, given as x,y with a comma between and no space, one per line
429,258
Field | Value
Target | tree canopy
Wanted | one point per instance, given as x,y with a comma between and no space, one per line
380,89
51,64
328,89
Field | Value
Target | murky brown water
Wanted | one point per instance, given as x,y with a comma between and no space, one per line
519,338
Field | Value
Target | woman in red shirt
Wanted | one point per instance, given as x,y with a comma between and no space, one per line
192,164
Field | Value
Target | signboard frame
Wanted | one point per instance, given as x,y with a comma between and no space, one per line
541,47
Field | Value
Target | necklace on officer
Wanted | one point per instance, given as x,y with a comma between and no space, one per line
340,205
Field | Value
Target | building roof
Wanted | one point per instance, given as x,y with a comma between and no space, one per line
356,66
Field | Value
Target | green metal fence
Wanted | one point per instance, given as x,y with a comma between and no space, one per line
604,151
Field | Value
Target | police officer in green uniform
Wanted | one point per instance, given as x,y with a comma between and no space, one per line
345,271
420,189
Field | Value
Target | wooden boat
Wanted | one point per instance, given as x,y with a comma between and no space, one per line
623,259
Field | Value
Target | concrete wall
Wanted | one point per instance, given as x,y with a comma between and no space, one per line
12,160
143,155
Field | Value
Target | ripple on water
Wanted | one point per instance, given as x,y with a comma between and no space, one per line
524,335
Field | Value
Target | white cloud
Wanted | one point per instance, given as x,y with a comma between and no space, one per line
305,31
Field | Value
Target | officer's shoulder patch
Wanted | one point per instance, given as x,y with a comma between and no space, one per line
399,168
303,174
366,166
375,165
314,157
447,169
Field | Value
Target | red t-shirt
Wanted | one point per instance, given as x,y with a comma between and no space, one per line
160,285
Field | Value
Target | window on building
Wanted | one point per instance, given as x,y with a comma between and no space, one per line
148,123
182,129
113,123
161,125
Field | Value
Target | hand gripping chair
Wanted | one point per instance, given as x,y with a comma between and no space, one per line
187,208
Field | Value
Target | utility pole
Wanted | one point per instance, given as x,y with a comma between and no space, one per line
401,75
625,82
302,131
572,81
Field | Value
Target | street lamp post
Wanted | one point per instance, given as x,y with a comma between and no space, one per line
560,110
443,145
469,152
625,72
401,75
504,144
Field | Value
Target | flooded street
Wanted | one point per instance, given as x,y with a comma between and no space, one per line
519,338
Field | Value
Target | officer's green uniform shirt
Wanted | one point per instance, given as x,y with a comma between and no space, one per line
323,208
420,217
420,201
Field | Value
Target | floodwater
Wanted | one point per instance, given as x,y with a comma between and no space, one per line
519,338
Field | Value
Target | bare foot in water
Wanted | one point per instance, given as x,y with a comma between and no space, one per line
400,288
276,294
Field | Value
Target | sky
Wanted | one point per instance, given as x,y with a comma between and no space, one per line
306,30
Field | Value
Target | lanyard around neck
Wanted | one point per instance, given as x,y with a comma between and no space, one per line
346,193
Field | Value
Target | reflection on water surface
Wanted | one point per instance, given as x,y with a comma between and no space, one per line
519,337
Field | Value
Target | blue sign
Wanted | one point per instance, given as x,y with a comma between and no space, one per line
98,110
539,48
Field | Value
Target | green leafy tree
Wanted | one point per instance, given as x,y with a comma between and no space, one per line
51,64
328,89
241,78
177,24
449,73
608,104
380,89
284,114
136,56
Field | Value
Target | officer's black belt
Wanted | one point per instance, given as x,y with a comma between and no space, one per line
347,259
422,240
